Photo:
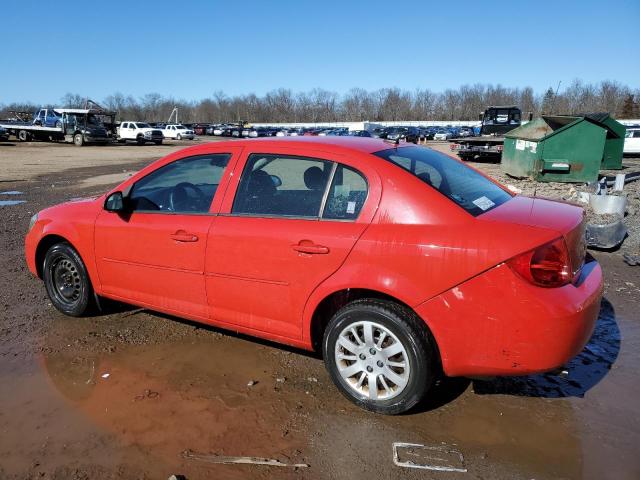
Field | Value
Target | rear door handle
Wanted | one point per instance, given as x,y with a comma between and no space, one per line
182,236
311,248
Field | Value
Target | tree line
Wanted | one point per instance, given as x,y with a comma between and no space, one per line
386,104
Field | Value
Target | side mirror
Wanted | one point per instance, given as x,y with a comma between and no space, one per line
114,202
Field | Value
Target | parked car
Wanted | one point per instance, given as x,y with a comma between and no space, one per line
398,282
200,128
140,132
47,117
465,132
249,133
442,134
359,133
178,132
408,134
632,140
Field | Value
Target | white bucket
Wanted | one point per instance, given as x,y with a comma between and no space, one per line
602,204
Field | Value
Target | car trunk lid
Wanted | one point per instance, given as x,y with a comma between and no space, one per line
564,218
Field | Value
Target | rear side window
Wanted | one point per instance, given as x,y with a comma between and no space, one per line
347,195
282,185
459,183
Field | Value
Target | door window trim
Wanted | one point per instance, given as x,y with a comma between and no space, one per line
208,213
284,217
325,195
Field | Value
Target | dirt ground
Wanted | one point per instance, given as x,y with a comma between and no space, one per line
124,395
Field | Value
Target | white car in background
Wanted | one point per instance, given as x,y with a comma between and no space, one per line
632,140
178,132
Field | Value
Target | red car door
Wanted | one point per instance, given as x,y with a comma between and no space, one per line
270,247
154,254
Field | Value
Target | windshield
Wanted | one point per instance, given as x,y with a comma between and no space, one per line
459,183
143,125
181,127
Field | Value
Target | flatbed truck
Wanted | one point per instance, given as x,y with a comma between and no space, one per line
496,121
79,126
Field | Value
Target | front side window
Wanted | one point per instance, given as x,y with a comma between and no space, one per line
184,186
282,185
459,183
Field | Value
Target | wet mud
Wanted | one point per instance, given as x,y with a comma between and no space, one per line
123,394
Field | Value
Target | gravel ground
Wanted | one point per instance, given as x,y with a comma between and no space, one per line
122,395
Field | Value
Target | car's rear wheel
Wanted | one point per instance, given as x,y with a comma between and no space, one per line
380,355
66,280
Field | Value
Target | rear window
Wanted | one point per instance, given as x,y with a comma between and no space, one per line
459,183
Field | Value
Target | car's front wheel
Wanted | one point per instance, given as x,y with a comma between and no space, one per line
66,280
380,355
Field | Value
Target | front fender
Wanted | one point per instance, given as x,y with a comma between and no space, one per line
79,233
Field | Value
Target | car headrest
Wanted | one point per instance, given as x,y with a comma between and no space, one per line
314,178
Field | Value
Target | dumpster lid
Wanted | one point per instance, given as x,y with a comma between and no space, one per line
600,119
543,127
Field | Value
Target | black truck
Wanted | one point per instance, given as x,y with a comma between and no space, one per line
496,121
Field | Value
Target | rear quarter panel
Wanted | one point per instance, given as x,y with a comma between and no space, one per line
421,244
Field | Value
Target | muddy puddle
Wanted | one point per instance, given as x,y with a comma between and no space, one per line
155,402
12,202
103,397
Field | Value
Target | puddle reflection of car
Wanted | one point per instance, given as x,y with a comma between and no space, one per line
398,263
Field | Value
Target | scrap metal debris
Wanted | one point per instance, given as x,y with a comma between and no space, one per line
441,458
632,260
222,459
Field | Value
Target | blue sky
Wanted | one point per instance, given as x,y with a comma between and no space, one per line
188,50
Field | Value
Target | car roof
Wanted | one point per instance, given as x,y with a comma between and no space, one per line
359,144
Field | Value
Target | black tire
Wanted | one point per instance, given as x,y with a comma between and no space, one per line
158,142
140,140
411,332
66,280
78,139
178,137
23,136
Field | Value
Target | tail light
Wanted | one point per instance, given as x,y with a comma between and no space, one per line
499,147
545,266
454,146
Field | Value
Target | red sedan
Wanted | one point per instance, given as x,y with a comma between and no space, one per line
396,261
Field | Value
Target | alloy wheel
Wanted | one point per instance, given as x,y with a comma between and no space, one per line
372,360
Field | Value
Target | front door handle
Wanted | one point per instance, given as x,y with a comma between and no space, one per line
305,246
182,236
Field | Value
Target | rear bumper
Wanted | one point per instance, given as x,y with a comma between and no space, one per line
497,324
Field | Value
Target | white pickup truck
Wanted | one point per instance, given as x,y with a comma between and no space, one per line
178,132
140,132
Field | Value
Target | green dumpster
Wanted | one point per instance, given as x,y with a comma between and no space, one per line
614,144
563,148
